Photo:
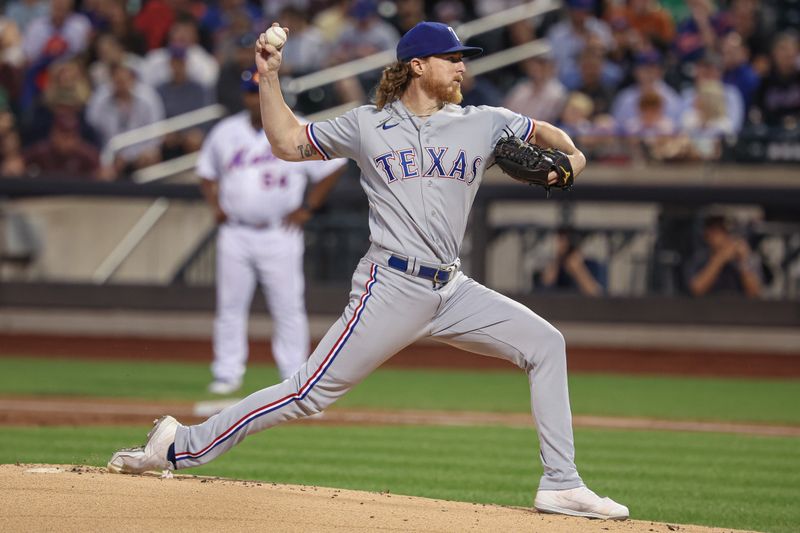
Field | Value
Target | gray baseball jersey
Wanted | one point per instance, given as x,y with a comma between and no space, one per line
420,176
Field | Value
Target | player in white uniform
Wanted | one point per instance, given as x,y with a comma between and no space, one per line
258,200
422,158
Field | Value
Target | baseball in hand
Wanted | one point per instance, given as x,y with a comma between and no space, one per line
276,36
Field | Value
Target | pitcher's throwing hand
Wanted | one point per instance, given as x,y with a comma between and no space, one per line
268,57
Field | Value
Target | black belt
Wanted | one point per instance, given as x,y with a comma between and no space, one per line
437,275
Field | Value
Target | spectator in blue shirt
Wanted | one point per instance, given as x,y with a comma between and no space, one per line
649,75
738,71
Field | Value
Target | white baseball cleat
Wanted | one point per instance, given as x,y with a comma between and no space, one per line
579,502
224,387
151,456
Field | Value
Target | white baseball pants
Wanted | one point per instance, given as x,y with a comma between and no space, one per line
274,258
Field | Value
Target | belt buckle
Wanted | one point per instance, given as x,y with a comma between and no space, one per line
449,271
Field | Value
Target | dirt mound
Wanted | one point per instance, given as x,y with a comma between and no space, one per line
77,498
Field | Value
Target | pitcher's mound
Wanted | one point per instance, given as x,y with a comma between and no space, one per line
78,498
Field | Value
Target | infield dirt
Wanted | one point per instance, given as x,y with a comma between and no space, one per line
68,498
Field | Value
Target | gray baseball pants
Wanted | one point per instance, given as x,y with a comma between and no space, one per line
388,310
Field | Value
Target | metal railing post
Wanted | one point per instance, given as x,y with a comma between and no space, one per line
130,241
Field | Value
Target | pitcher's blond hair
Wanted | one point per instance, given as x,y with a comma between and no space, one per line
394,81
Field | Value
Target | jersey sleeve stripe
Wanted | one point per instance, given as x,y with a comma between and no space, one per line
305,389
529,130
314,142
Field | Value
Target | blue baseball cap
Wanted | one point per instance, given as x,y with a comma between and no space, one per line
647,58
363,9
581,5
250,80
430,39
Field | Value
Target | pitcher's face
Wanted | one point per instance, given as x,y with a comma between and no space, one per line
442,77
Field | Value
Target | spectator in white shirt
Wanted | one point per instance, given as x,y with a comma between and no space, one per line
707,120
649,75
306,50
23,12
124,105
568,37
539,94
200,65
61,32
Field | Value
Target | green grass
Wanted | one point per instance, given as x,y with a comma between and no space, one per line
773,401
735,481
712,479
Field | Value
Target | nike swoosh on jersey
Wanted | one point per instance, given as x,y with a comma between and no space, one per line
387,126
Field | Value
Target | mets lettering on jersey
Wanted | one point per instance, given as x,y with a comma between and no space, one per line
255,187
420,175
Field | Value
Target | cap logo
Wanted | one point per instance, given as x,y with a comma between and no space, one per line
454,34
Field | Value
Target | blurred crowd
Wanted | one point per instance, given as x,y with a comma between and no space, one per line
722,256
667,80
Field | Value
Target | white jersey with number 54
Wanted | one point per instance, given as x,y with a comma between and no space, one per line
255,187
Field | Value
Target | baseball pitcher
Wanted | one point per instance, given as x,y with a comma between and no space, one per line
422,158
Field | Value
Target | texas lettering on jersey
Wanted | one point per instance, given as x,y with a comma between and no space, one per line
404,164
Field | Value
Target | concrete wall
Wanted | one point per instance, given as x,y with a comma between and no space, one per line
77,234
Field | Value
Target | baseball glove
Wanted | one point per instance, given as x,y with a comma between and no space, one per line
532,164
